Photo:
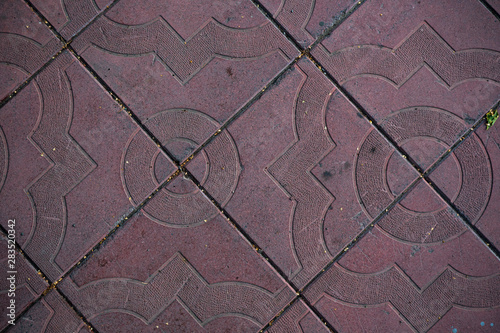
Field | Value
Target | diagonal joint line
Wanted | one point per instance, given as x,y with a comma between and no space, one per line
318,314
457,143
337,22
278,26
279,314
475,230
363,232
244,108
238,228
490,9
95,18
123,105
367,116
29,79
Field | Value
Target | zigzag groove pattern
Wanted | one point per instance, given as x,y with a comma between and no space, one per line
291,170
69,166
178,280
24,52
422,47
422,308
184,57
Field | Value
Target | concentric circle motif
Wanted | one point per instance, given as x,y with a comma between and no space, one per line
471,172
144,167
4,158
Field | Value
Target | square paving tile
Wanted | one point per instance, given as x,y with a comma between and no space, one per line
27,44
63,139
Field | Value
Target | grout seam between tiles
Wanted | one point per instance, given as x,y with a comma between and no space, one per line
28,80
490,9
241,110
318,314
32,76
239,229
380,130
277,25
124,107
95,18
308,305
336,23
65,42
39,272
283,310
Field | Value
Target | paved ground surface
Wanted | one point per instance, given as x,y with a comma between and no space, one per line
238,166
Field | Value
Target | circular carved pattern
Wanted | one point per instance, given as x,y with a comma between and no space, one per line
4,158
473,166
144,167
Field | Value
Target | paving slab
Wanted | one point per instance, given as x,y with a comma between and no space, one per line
63,139
27,44
183,278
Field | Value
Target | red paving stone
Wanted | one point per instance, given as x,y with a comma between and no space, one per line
186,169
